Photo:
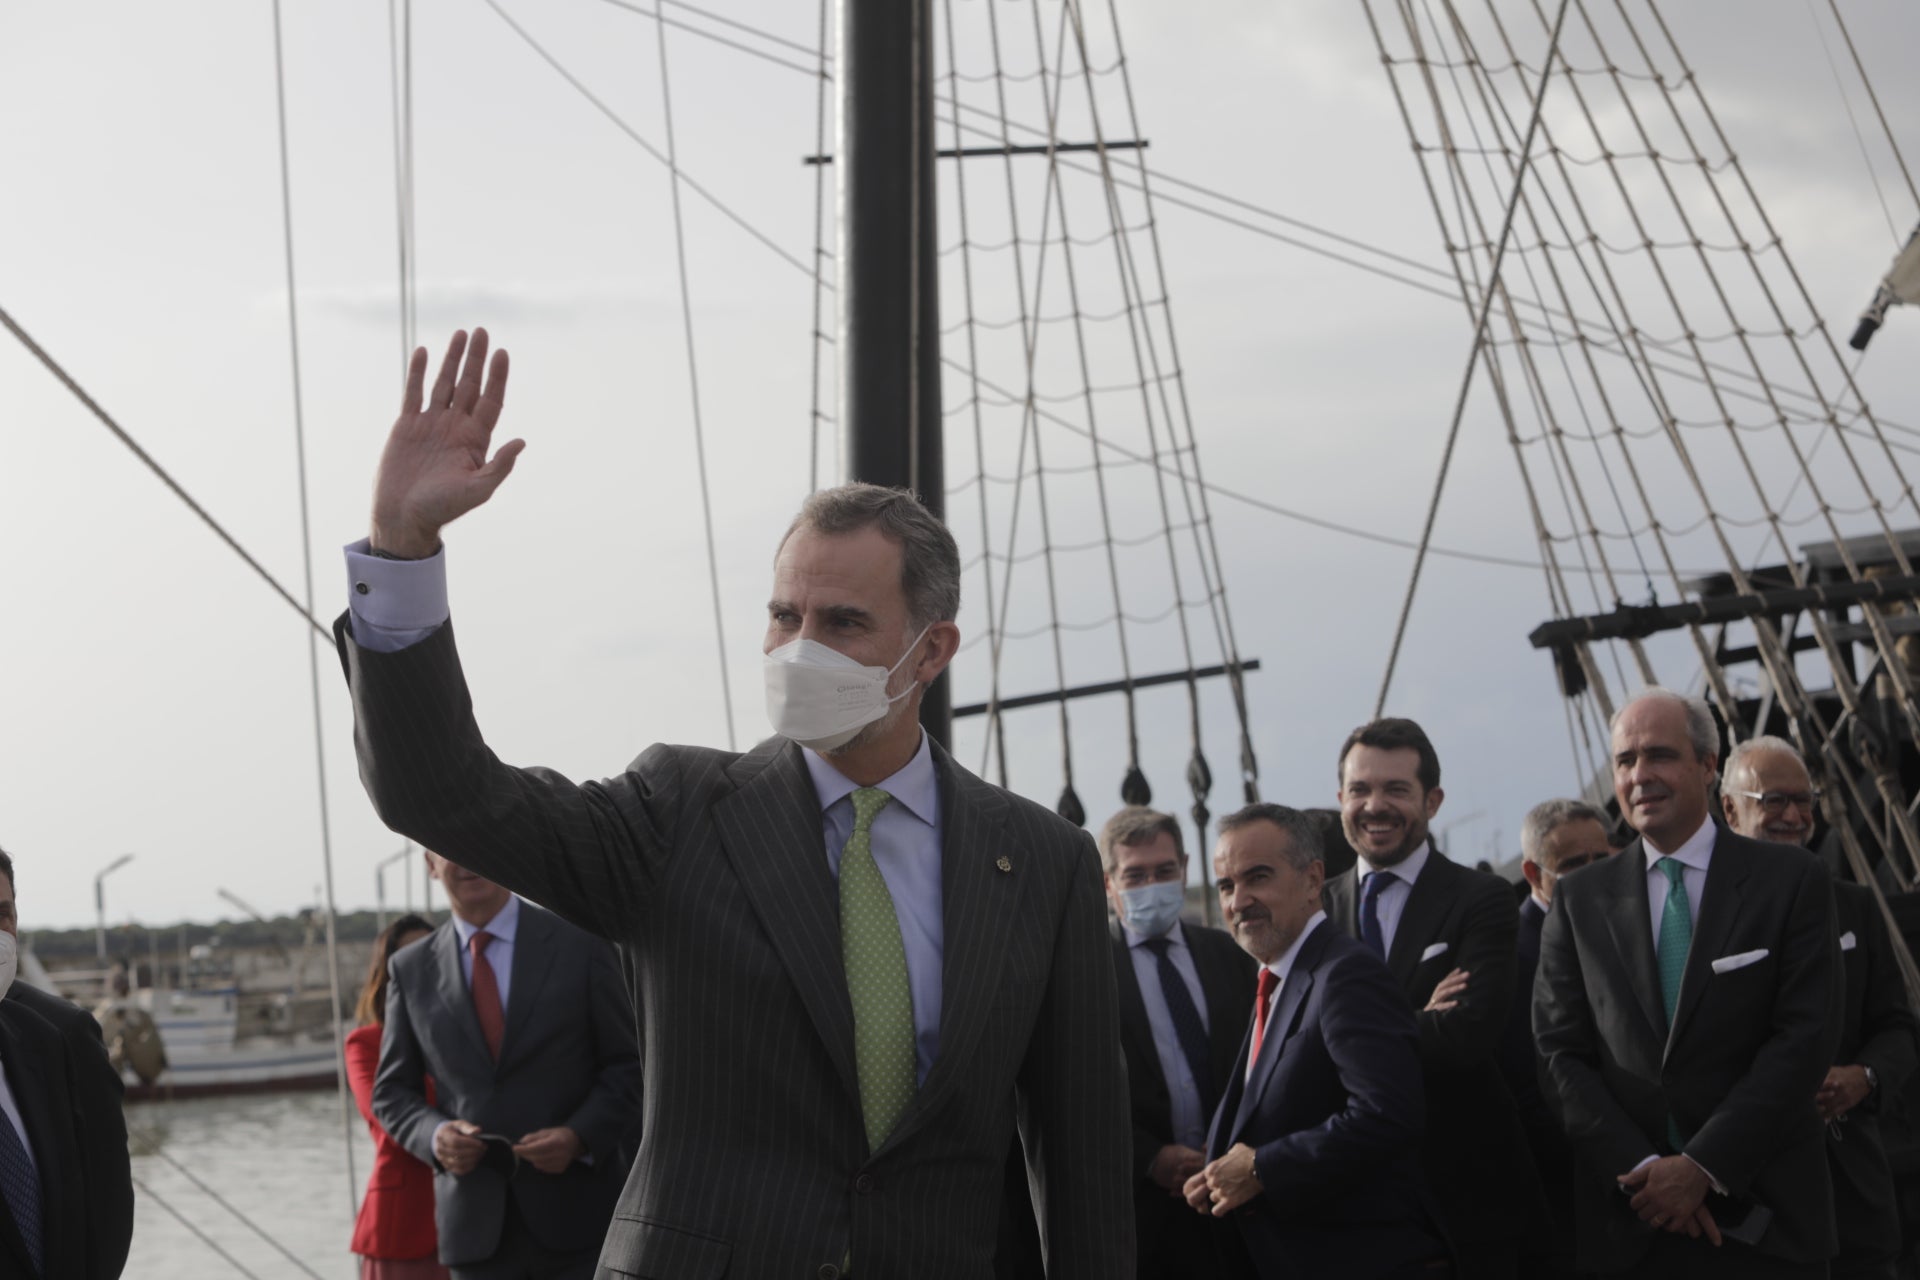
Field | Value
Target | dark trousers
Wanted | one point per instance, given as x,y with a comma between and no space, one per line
1684,1258
1487,1260
521,1257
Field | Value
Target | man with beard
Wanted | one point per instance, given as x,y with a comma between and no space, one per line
1447,934
856,966
1311,1156
1767,795
1184,995
1687,1008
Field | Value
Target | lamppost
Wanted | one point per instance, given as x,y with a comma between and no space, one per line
380,885
100,904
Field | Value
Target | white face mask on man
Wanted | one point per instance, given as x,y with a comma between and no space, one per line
821,698
9,962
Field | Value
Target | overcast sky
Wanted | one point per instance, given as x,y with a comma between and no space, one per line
155,696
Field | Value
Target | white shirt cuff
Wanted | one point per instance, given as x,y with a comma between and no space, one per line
395,603
1712,1181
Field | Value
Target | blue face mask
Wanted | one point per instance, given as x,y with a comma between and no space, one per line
1153,909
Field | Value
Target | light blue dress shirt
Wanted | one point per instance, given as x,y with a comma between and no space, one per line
499,949
1189,1119
397,603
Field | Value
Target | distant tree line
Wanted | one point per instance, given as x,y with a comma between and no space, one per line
70,947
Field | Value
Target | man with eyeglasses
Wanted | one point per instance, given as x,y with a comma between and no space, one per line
1767,795
1184,995
1557,838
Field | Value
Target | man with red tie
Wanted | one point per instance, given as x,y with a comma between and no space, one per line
522,1022
1313,1153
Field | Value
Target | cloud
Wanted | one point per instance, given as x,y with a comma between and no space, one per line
446,303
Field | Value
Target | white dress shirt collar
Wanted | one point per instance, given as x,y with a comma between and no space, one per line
1176,936
1408,868
1539,901
505,921
915,787
1696,851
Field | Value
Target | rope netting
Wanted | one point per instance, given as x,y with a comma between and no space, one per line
1662,374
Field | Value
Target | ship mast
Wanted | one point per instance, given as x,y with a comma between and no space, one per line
889,299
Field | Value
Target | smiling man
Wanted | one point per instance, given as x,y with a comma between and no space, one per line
1447,935
1767,795
1312,1152
1688,1008
857,967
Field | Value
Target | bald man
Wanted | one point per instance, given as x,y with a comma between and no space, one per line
1768,795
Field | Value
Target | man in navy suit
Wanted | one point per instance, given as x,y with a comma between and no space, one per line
1313,1153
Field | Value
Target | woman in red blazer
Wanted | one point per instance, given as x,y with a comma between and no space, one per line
394,1234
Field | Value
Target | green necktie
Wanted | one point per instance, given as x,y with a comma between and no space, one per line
876,963
1676,935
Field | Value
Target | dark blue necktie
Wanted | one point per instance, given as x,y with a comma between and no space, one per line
1370,931
21,1186
1186,1024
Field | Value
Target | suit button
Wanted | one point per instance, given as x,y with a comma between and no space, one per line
828,1271
864,1184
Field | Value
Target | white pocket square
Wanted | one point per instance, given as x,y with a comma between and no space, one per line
1437,949
1847,941
1727,964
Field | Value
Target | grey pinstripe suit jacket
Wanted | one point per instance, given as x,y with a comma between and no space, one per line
708,869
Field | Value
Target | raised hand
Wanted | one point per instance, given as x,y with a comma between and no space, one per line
435,467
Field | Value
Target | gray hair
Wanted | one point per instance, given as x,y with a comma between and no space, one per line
929,559
1701,729
1303,837
1549,816
1737,758
1137,825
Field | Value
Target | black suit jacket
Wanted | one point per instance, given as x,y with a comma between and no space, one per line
39,1070
1334,1112
1164,1225
567,1057
1475,1156
1878,1030
709,869
100,1125
1736,1072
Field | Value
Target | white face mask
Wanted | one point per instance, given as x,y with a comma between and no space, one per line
821,698
9,962
1153,909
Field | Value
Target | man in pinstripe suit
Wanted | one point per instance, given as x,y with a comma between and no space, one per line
857,966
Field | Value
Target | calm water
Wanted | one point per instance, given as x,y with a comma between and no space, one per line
279,1159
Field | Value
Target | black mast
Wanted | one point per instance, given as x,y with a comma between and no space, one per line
889,337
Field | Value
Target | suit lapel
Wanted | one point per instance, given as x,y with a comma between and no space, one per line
770,828
1134,1024
1719,908
1426,908
1630,922
25,1083
1226,1117
532,958
979,902
1226,1019
1280,1025
1338,899
451,981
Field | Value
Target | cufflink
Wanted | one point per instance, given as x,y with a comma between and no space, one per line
1005,863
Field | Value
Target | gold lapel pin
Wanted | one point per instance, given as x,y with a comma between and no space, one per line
1005,863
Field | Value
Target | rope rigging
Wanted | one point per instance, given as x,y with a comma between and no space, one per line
1760,276
348,1114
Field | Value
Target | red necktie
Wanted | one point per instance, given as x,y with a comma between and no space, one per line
1262,997
486,994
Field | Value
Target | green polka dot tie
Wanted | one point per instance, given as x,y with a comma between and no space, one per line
876,963
1676,936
